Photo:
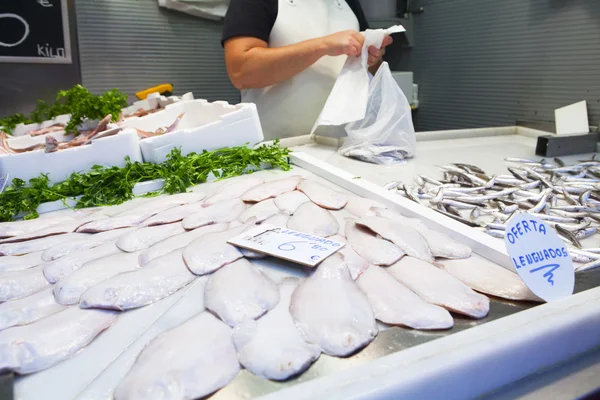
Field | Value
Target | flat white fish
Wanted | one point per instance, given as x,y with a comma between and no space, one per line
438,287
19,263
402,235
271,189
162,277
331,311
190,361
395,304
19,284
312,219
356,264
239,291
56,229
28,309
272,347
87,242
251,254
56,270
376,251
146,237
225,211
69,290
233,189
361,207
322,195
280,220
23,349
290,201
260,211
16,228
162,203
486,277
211,252
178,242
117,222
174,214
35,245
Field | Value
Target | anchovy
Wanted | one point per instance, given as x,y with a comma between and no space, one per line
391,185
574,228
411,196
496,226
521,161
419,181
453,210
568,235
589,266
495,233
473,168
559,162
459,219
568,198
431,180
584,233
554,218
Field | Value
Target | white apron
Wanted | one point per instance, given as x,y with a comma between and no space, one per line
292,107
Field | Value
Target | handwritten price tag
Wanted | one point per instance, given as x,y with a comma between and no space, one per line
287,244
540,257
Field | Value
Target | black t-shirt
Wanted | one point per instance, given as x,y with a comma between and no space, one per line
255,18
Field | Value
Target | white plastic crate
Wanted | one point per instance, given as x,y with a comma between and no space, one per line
108,151
204,126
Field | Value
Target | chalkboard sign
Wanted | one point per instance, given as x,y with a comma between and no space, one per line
35,31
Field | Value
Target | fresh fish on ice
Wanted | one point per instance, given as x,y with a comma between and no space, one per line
322,195
402,235
272,347
178,242
290,201
331,311
395,304
260,211
314,220
24,350
190,361
271,189
87,242
174,214
69,290
376,251
233,189
486,277
280,220
361,207
239,291
225,211
35,245
28,309
162,277
146,237
19,284
64,266
211,252
56,229
438,287
19,263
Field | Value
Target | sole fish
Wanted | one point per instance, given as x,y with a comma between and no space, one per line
289,202
280,220
174,214
225,211
239,291
20,263
402,235
35,245
211,252
361,207
56,270
312,219
158,204
24,350
16,228
356,264
29,309
178,242
331,311
160,278
19,284
69,290
233,189
376,251
190,361
88,242
395,304
438,287
272,347
322,195
271,189
144,238
259,212
57,229
486,277
117,222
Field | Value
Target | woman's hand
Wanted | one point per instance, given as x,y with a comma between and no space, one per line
347,43
375,54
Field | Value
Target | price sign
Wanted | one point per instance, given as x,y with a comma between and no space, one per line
3,181
540,257
287,244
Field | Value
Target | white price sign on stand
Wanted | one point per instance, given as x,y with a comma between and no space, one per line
540,257
299,247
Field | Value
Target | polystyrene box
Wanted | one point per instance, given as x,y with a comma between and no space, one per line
107,151
204,126
22,129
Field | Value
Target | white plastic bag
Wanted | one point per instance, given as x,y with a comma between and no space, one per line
209,9
386,134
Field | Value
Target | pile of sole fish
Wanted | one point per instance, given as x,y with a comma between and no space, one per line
567,197
67,276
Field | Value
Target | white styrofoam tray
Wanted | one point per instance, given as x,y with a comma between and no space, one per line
204,126
154,100
108,151
22,129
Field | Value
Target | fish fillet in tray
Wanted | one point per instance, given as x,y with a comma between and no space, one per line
294,306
